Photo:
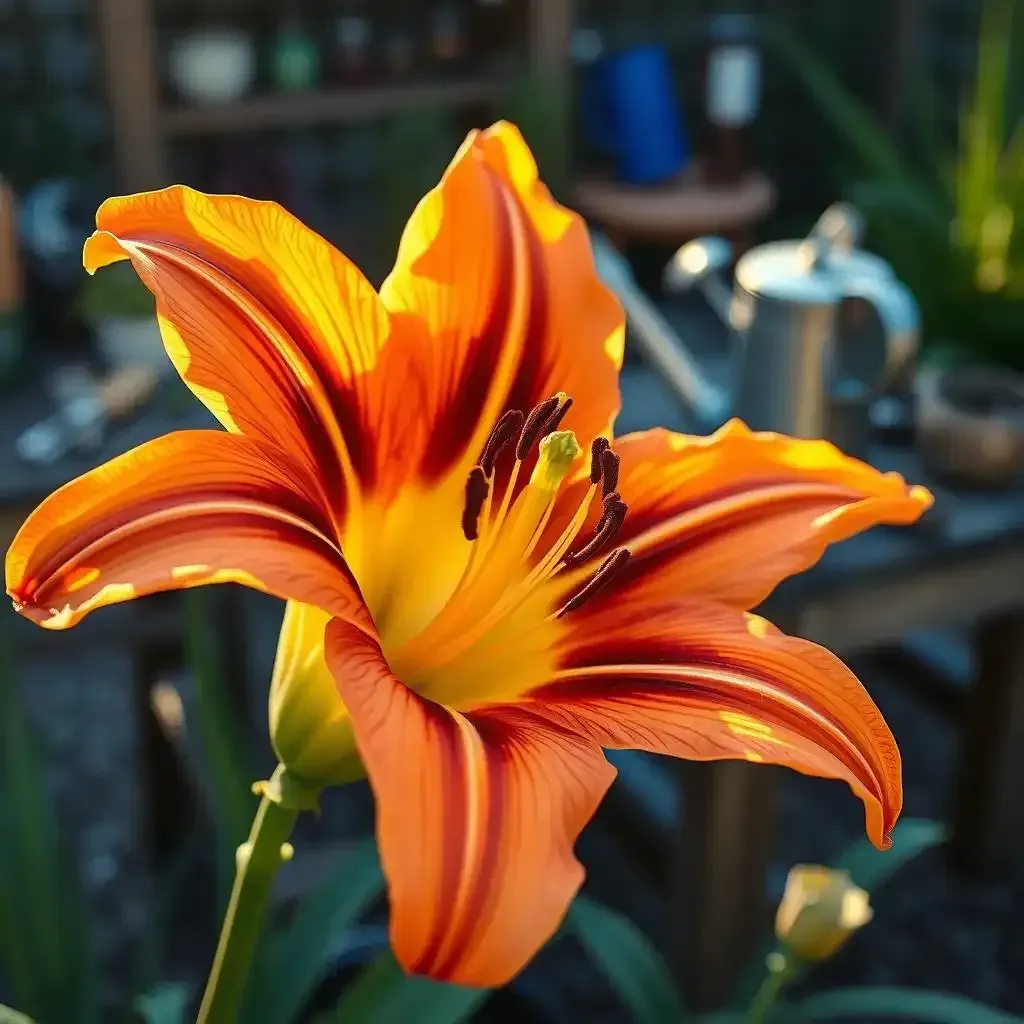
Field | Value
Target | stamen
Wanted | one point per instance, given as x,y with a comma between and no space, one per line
597,449
477,490
504,430
555,420
534,425
609,472
610,567
608,526
609,500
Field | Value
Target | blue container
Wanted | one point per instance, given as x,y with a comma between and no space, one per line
630,111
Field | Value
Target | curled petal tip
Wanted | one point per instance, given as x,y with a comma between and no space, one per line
101,249
922,496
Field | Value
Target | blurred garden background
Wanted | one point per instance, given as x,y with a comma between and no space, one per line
127,745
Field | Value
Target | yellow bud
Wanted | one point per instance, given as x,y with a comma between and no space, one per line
558,451
820,909
310,728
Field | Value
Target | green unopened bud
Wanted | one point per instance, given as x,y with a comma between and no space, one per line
310,727
820,909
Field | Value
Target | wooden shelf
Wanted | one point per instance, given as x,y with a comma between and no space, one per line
352,104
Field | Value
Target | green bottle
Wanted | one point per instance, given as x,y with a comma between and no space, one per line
295,60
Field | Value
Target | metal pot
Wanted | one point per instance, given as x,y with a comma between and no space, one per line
970,424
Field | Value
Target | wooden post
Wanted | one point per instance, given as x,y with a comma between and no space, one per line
126,36
719,901
988,821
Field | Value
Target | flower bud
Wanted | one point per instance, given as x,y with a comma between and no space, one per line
310,727
820,909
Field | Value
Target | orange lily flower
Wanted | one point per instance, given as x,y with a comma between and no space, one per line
477,602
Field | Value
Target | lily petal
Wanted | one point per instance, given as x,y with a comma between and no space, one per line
728,517
706,683
503,280
275,330
476,818
189,508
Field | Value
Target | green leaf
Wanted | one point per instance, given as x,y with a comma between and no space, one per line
291,961
629,960
909,204
919,1007
9,1016
44,930
868,868
165,1004
385,994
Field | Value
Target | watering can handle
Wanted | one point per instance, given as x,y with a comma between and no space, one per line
900,318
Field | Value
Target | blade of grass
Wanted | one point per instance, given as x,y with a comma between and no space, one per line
384,994
983,122
629,960
1013,186
291,961
852,119
44,908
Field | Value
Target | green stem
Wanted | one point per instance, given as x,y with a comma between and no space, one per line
780,973
257,862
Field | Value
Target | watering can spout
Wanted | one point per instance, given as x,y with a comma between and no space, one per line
698,264
707,402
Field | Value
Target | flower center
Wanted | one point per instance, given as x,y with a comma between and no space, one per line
495,635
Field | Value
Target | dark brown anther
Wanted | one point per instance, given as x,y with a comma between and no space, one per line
504,430
610,567
477,489
609,472
555,419
609,501
535,422
597,449
608,526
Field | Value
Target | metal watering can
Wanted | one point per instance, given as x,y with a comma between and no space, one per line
818,327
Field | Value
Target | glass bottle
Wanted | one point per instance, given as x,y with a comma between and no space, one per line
294,58
732,95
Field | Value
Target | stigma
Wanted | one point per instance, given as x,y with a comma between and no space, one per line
558,452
